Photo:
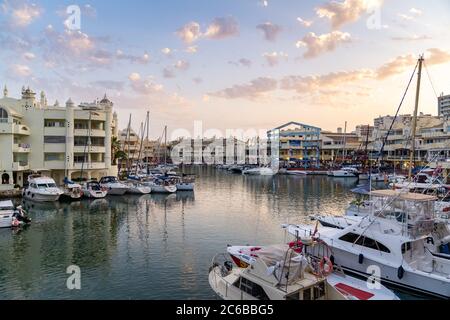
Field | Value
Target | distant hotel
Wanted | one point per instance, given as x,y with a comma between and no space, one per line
67,141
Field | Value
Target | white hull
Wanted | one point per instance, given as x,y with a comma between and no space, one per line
163,189
94,194
117,191
343,174
185,186
296,173
139,190
41,197
6,220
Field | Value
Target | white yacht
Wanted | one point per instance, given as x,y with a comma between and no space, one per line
262,171
113,186
93,190
395,237
42,189
136,187
6,214
72,191
284,272
347,172
185,183
162,185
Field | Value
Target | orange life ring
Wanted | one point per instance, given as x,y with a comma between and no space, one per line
326,266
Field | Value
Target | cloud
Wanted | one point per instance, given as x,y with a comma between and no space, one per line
134,77
145,86
19,71
88,10
191,49
273,58
197,80
305,23
307,84
317,45
270,30
109,85
347,11
182,65
416,12
21,14
414,37
166,51
412,15
168,73
333,84
222,28
263,3
189,32
143,59
29,56
241,62
254,90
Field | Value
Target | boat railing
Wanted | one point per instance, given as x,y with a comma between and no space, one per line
219,269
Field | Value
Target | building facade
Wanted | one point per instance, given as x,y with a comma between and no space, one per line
444,105
298,143
61,141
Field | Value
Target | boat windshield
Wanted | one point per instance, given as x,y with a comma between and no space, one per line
51,185
42,186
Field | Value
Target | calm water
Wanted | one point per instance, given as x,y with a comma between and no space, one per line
156,246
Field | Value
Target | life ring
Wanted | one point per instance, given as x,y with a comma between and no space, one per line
326,266
297,246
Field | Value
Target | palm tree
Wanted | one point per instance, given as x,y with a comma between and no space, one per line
116,151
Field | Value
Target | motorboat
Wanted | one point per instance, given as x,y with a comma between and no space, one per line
11,217
113,186
296,172
93,190
236,169
136,187
185,183
41,189
262,171
374,177
6,214
162,185
395,237
284,272
72,191
346,172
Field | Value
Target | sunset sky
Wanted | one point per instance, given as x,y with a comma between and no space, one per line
231,64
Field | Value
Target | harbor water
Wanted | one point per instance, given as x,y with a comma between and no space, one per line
157,246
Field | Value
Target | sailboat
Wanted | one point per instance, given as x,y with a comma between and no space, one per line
396,236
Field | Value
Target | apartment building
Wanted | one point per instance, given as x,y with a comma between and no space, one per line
298,142
339,146
444,105
62,141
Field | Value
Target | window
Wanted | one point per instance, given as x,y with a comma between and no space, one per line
49,123
54,157
251,288
54,139
80,158
307,294
364,241
3,116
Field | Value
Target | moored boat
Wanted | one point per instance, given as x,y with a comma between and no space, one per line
113,186
93,190
41,189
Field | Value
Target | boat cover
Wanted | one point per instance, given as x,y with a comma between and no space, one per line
6,205
281,261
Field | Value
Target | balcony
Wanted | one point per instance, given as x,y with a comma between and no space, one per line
435,134
89,166
21,129
55,165
89,149
21,166
21,148
92,133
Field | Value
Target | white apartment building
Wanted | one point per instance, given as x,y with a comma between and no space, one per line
444,105
62,141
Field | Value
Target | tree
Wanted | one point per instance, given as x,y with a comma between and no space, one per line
116,151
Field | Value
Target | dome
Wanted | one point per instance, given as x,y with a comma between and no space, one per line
105,100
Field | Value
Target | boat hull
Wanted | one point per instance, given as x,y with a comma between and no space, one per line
40,197
139,190
185,187
94,194
163,189
6,220
117,191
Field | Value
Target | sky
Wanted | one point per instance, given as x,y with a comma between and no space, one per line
235,64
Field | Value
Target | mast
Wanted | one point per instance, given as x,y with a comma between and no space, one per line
148,142
344,151
165,145
367,145
87,145
140,147
127,144
414,124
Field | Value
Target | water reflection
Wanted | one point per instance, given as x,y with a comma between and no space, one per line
159,245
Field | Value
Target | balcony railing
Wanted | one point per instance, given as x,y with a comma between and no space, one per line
21,148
